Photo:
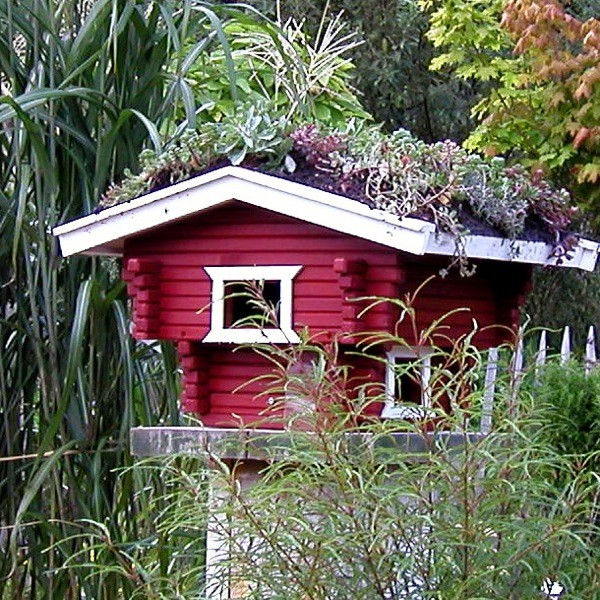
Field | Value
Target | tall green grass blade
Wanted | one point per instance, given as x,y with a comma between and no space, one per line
21,105
86,87
37,480
222,37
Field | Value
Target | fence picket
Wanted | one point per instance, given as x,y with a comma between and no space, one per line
590,349
517,369
542,354
516,374
491,372
565,346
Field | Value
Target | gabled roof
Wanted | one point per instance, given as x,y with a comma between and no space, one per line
104,232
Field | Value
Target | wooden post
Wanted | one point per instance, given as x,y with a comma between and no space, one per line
491,372
590,350
220,581
217,546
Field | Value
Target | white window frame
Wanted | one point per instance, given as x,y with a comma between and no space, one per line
284,334
393,410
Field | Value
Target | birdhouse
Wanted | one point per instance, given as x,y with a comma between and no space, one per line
190,251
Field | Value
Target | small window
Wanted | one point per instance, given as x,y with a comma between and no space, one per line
407,383
252,304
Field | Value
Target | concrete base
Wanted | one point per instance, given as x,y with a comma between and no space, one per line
263,444
248,452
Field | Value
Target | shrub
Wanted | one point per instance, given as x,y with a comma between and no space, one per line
568,407
347,508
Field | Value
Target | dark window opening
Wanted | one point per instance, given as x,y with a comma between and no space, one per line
250,303
451,380
408,382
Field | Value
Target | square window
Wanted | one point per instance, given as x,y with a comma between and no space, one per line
407,390
252,304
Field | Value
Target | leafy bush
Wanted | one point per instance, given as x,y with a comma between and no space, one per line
303,78
568,406
391,70
351,508
540,59
337,517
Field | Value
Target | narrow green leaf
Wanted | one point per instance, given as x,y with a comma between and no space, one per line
229,62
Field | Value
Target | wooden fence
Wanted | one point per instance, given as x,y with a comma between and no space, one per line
517,367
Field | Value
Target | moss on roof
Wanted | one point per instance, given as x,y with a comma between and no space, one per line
460,192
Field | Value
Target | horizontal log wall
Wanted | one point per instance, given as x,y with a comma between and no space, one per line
336,270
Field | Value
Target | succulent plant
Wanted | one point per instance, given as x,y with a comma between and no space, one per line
394,172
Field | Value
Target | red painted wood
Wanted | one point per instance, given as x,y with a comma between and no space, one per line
137,265
353,267
228,420
196,378
305,288
199,289
174,273
193,358
174,332
147,295
192,405
336,268
352,282
238,402
146,310
185,317
191,389
145,281
243,385
322,304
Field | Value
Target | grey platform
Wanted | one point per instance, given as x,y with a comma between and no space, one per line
262,444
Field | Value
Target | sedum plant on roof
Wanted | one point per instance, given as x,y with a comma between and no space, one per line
460,192
265,117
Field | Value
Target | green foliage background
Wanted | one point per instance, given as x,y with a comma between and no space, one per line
86,86
392,65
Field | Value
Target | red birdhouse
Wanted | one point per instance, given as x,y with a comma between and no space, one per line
190,250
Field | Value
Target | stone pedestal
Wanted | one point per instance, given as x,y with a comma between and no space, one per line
246,452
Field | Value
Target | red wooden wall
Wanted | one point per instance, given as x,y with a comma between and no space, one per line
171,294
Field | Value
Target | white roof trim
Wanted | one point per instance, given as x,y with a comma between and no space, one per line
584,255
104,232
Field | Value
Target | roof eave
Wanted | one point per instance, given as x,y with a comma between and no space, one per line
104,232
584,256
